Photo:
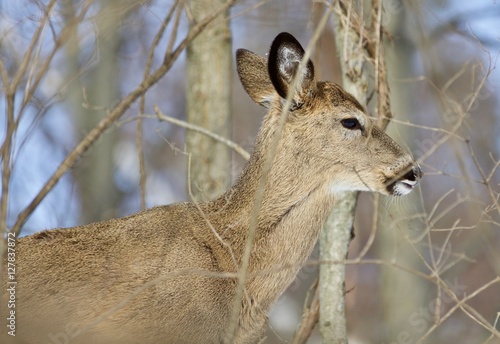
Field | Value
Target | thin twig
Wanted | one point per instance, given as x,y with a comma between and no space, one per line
66,34
373,232
173,36
486,179
142,104
207,220
27,56
231,144
462,304
12,124
310,316
460,117
6,158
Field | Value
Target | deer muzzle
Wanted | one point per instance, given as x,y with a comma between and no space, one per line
404,184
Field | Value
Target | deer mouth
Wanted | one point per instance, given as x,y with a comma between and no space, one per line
404,185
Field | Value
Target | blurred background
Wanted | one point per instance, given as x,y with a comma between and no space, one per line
441,58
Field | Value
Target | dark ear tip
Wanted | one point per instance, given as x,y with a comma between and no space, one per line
285,38
285,35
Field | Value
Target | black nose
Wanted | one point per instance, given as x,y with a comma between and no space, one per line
414,174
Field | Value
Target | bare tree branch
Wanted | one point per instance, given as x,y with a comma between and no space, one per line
231,144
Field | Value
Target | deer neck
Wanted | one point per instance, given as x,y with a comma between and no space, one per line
291,215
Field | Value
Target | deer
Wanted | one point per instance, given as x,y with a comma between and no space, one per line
168,274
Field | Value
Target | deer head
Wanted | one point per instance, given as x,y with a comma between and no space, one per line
327,132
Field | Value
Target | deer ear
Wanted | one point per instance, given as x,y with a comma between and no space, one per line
252,70
284,62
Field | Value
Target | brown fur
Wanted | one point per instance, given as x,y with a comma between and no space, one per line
158,276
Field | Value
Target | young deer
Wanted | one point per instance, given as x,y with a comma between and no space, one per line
166,275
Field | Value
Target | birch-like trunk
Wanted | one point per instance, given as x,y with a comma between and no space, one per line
209,70
336,236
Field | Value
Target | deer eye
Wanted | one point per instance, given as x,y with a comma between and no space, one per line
350,123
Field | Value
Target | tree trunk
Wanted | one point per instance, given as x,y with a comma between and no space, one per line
91,96
209,70
395,301
334,244
336,236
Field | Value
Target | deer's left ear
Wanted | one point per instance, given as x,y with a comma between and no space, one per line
284,64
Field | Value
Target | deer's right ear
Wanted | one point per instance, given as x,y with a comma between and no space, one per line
252,70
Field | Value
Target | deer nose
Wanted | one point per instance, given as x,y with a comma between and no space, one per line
414,174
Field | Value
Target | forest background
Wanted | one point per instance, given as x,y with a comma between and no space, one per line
67,65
